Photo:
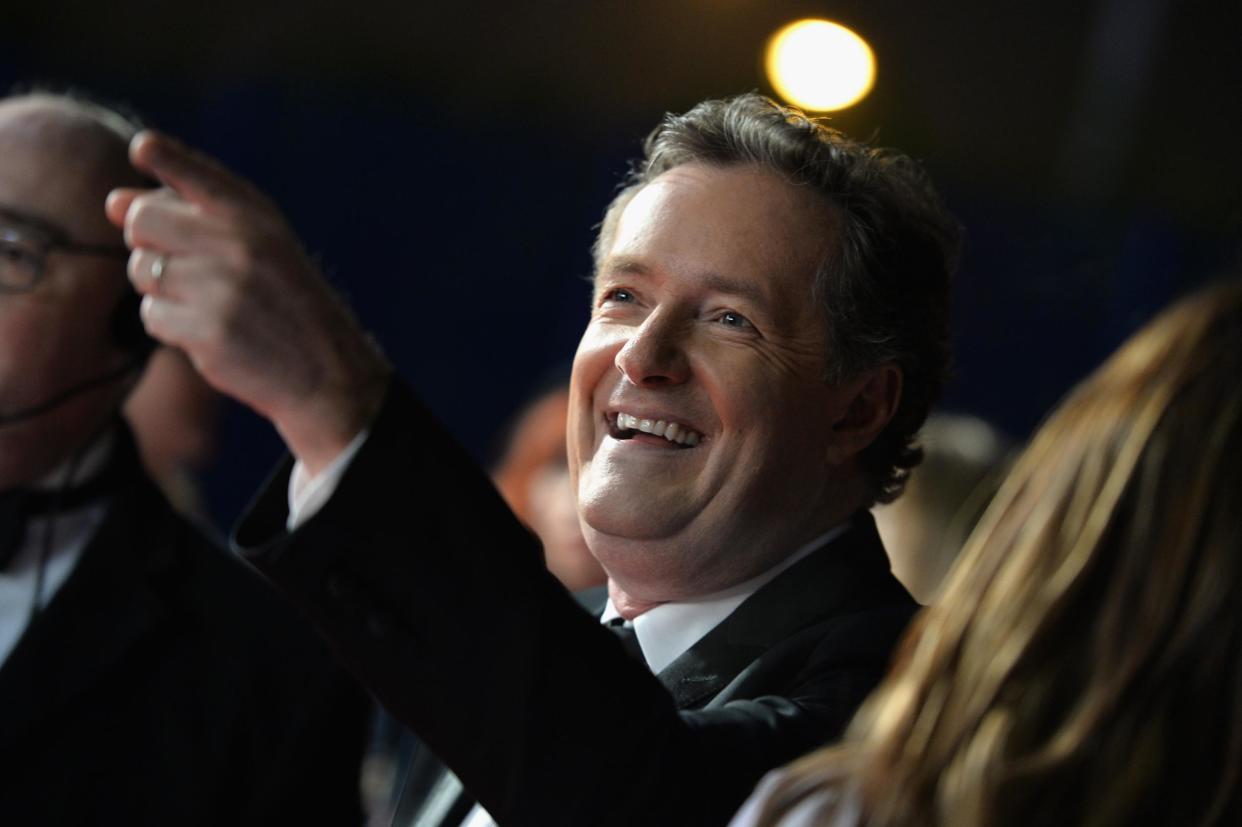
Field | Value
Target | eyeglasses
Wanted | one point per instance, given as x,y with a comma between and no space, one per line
23,255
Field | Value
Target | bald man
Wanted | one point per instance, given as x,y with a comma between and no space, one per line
145,676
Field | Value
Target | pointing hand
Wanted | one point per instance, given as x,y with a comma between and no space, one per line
225,279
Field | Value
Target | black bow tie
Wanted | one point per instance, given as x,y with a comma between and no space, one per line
18,505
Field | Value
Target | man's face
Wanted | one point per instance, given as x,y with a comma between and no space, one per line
58,333
704,320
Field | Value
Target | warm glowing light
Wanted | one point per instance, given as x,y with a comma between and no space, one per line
820,65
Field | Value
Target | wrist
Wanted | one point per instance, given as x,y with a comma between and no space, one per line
318,427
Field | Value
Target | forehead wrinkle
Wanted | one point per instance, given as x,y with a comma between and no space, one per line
625,264
749,290
710,280
799,242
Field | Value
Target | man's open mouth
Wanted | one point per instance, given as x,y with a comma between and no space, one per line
626,426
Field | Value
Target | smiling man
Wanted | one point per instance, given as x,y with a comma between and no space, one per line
700,428
768,331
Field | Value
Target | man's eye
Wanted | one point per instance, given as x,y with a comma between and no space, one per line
731,319
618,294
15,253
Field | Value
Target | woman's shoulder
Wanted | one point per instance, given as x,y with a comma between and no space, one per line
832,806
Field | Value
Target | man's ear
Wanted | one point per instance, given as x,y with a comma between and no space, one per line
872,399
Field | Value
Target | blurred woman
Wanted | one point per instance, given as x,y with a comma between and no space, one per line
1084,665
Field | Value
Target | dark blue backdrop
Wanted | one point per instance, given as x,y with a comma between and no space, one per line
463,241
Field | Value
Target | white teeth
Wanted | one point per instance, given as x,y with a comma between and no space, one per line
669,430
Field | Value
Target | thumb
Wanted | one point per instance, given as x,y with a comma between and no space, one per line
191,174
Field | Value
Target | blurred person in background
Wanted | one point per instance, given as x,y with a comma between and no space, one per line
146,676
175,416
533,477
964,461
1084,666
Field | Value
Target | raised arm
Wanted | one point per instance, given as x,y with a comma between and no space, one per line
225,279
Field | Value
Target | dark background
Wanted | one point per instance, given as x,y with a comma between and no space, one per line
448,161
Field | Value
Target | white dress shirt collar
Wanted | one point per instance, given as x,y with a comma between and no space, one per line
668,630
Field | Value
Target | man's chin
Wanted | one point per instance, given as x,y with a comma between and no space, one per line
654,570
608,525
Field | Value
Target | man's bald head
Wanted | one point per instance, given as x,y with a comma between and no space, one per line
77,319
90,140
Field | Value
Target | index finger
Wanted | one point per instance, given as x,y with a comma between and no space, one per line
193,175
118,202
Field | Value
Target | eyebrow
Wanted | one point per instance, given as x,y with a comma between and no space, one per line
714,282
747,290
26,221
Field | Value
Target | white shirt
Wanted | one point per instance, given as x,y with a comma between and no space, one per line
308,494
668,630
664,632
71,531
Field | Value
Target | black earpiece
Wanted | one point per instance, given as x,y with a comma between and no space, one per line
127,329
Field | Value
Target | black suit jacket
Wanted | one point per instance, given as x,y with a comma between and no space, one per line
165,684
433,593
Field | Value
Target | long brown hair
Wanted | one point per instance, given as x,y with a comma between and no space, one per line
1084,665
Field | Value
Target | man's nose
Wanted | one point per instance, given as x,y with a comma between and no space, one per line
655,353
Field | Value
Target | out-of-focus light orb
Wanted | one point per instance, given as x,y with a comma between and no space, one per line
820,65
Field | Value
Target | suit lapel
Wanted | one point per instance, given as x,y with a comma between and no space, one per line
831,580
845,572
